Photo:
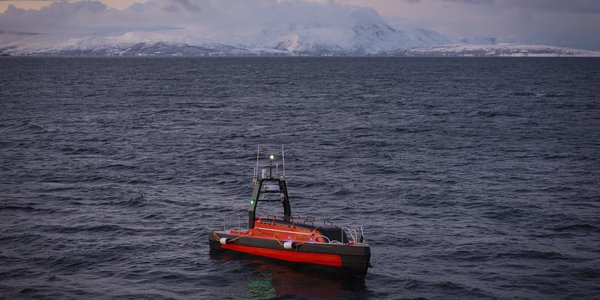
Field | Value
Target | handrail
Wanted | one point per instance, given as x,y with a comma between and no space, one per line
326,238
309,219
362,235
346,228
357,235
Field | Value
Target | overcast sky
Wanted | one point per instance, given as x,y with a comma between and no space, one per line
571,23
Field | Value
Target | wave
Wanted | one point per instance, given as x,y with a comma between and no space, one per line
25,208
137,200
22,127
101,228
523,93
531,254
577,228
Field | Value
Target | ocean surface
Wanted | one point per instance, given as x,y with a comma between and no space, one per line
472,178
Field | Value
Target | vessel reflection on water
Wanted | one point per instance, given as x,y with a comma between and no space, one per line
272,279
291,238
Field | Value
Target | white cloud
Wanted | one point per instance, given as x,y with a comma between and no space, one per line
574,23
86,16
292,25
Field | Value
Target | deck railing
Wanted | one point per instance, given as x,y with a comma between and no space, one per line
355,234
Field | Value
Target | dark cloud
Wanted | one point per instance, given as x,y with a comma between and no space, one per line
95,17
571,23
559,6
210,21
185,4
574,23
471,1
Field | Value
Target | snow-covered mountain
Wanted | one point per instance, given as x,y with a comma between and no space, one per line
343,31
487,50
360,31
352,31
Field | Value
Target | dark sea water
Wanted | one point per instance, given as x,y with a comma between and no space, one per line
473,178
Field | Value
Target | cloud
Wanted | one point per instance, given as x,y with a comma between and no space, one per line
231,22
558,6
94,16
562,6
471,1
574,23
187,4
58,16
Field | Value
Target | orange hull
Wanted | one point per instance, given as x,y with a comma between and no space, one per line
293,256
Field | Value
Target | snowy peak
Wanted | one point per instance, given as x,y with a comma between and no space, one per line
360,32
341,30
368,22
248,28
372,35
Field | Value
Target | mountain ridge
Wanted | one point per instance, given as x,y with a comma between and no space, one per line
360,32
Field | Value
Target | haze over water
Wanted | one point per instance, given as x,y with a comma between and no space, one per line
472,178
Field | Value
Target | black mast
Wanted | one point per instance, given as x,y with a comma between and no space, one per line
266,185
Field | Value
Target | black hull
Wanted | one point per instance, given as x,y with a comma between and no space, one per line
354,259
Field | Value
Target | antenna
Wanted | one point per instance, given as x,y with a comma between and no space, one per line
283,161
256,168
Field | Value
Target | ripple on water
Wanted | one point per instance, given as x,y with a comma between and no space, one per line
472,178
